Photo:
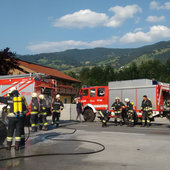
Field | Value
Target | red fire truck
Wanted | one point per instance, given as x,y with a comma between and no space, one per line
102,97
26,84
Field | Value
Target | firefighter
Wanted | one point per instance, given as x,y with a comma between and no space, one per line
57,107
117,107
43,112
15,117
130,112
104,116
146,108
34,112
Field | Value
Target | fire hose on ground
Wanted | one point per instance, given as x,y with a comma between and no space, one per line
51,137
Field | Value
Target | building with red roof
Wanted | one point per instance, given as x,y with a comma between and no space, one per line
64,82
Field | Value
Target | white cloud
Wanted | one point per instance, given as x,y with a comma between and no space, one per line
82,18
155,18
156,32
122,14
69,44
156,5
88,18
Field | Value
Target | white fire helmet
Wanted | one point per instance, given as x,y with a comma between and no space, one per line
117,98
41,96
127,100
57,96
34,94
11,90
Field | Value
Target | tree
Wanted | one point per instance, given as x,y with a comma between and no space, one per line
8,61
96,77
84,76
109,74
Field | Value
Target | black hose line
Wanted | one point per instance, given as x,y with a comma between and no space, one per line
51,137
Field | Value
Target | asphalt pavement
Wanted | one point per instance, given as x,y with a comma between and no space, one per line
119,148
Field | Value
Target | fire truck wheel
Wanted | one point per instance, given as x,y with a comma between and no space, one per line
3,132
89,115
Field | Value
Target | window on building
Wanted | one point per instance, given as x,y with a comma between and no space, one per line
92,92
101,92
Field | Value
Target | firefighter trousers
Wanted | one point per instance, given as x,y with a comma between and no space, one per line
118,115
56,117
43,120
14,125
130,118
34,121
22,143
145,118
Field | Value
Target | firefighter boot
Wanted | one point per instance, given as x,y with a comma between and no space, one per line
104,124
36,128
33,129
143,124
9,145
45,128
132,124
22,142
40,128
115,122
148,124
128,124
8,148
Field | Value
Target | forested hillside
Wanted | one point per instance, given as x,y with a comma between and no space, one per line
74,60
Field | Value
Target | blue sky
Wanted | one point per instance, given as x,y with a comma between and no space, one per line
38,26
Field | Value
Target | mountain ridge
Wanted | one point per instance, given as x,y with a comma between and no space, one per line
75,59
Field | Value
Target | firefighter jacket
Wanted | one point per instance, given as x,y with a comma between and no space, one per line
146,105
34,106
43,106
117,106
129,107
15,106
57,105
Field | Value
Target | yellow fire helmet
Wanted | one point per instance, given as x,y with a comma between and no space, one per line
57,96
34,94
41,96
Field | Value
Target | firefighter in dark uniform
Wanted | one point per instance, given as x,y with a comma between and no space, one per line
57,107
34,112
15,117
146,108
104,116
117,107
130,112
43,113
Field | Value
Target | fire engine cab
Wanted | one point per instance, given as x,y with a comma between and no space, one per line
99,98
